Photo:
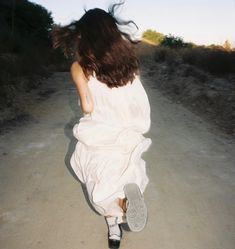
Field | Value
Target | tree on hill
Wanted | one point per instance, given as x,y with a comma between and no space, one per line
227,45
153,36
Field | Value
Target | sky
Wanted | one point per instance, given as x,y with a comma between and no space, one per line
199,21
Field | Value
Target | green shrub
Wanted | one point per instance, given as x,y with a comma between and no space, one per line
153,36
25,48
174,42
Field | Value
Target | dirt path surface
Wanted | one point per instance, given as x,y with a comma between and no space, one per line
190,197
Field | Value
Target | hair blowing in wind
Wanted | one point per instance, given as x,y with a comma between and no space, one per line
99,46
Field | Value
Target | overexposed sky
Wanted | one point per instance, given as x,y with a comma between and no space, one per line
198,21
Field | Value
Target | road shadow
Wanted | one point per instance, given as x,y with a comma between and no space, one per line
68,131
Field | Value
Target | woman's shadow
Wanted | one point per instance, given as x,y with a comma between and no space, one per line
68,131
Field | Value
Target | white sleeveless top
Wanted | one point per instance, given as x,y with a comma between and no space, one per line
115,110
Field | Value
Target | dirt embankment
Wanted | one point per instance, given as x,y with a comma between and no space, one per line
211,97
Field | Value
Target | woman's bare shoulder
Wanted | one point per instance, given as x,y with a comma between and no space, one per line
77,72
76,68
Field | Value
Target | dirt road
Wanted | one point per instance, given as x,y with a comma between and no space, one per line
190,197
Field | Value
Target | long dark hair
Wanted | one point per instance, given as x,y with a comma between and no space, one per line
100,46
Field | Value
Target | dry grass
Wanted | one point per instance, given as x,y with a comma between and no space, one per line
210,94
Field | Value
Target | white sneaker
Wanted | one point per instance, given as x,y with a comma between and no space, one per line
136,214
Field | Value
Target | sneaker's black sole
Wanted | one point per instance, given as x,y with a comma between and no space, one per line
115,244
136,214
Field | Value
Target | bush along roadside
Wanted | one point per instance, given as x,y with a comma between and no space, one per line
26,54
193,77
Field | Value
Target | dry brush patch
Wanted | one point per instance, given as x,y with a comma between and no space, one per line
207,92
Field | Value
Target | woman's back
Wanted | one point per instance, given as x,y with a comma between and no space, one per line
121,106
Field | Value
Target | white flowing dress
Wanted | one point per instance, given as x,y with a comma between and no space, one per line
110,144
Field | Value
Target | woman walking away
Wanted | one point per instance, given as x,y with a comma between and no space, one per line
116,114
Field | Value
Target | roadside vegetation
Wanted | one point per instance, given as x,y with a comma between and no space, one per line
201,77
26,54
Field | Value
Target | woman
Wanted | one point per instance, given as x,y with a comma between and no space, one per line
107,157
